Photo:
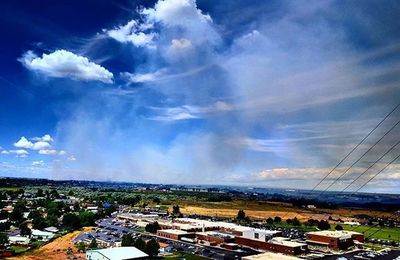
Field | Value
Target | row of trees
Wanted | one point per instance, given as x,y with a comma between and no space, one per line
151,247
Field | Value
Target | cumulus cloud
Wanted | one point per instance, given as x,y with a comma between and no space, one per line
131,33
23,143
38,163
179,44
20,153
65,64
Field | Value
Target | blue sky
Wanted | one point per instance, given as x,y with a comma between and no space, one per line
259,93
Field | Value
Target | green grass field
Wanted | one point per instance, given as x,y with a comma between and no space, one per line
186,256
392,234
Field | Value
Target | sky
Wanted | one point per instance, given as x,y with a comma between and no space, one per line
255,93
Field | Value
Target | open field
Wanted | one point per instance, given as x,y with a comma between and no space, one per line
182,255
263,210
56,249
376,232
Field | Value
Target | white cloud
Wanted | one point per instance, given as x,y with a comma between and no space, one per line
142,78
5,152
38,163
181,44
45,138
23,143
177,13
71,158
20,153
41,145
131,33
48,152
65,64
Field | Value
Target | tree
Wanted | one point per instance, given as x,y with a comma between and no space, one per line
176,210
3,239
140,244
323,225
270,221
71,221
289,221
93,244
152,227
87,218
39,223
52,220
156,200
4,214
339,227
81,246
296,222
152,247
127,240
24,230
241,215
39,193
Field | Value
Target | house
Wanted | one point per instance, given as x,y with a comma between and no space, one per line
116,253
41,235
18,240
51,229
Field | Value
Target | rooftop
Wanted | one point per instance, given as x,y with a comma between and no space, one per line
269,256
286,242
120,253
174,231
341,234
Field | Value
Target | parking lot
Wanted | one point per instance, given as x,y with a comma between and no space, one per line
112,230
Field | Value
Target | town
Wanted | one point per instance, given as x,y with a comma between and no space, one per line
141,223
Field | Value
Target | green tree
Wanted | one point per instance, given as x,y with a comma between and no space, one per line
277,219
39,193
39,223
71,221
81,246
52,220
140,244
152,247
296,222
34,214
270,221
323,225
3,239
152,227
93,244
127,240
176,210
24,230
241,215
87,218
339,227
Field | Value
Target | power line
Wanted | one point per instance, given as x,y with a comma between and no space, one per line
373,177
351,166
372,165
355,147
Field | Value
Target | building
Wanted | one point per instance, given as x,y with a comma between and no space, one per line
275,244
337,240
215,238
174,234
116,253
18,240
41,235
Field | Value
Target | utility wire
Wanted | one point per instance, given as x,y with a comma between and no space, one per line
355,147
372,165
351,166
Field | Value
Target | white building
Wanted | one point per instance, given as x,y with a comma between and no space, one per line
20,240
41,235
116,253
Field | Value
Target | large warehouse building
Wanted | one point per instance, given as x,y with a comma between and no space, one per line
338,240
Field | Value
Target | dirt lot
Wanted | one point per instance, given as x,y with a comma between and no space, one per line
56,249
